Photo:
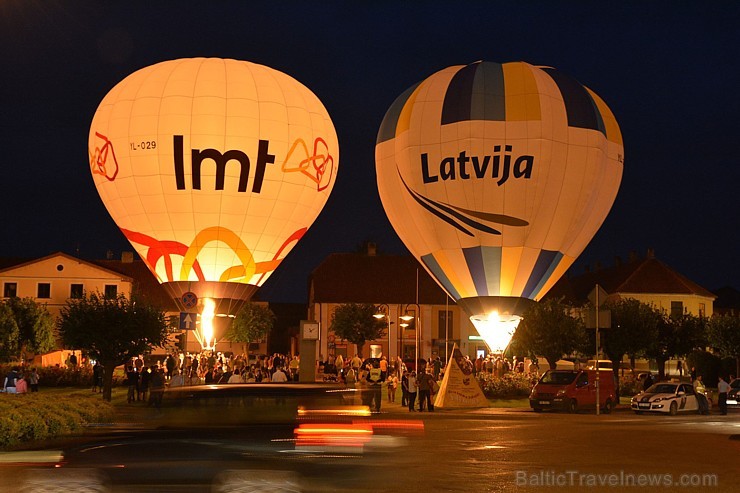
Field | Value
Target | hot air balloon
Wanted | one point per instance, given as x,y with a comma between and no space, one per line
213,169
496,177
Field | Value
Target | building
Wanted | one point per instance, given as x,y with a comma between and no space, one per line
397,286
59,277
647,280
54,279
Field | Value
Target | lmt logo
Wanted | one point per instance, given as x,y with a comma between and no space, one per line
198,156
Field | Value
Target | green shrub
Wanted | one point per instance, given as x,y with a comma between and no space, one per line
510,385
41,416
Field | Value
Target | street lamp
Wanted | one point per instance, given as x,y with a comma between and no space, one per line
384,311
416,317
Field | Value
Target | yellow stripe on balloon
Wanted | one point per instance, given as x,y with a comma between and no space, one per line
613,133
218,233
559,271
522,95
510,258
404,119
453,267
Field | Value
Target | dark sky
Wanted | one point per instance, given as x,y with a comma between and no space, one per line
668,70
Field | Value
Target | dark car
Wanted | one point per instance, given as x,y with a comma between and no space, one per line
227,438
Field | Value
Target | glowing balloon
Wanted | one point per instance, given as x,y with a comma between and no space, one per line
213,169
496,177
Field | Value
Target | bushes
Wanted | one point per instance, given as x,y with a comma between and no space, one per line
56,376
40,416
510,385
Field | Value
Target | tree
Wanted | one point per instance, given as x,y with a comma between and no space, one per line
547,329
723,333
112,330
676,336
355,323
9,334
252,323
35,326
634,326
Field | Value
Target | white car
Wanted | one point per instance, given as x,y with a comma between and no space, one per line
666,397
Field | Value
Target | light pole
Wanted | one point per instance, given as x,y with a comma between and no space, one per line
416,318
384,311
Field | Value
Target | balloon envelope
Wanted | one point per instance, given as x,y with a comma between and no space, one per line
213,169
496,177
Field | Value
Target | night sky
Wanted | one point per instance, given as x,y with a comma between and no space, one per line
668,70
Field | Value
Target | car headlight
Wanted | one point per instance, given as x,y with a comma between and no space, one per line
561,393
657,399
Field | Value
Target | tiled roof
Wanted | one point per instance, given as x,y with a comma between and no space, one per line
145,284
362,278
640,276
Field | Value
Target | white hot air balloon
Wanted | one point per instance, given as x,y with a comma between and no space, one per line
496,177
213,169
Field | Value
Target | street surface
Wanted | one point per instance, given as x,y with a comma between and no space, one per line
517,450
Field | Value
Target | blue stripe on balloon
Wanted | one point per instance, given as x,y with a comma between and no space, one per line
492,261
579,106
543,268
439,274
488,99
456,105
388,126
477,269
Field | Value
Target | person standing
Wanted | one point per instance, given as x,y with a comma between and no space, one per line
392,383
722,389
96,377
33,380
700,391
157,385
279,375
374,379
411,385
437,367
405,388
425,391
132,381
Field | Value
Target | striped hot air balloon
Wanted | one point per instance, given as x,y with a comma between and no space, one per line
496,177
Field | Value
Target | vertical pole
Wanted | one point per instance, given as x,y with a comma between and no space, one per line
598,350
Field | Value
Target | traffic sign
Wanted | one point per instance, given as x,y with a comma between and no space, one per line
187,321
189,300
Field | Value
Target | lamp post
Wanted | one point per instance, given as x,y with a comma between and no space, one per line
384,311
416,318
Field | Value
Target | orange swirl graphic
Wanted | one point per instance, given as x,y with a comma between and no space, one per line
99,158
164,249
318,167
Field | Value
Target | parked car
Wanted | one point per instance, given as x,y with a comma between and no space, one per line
571,390
668,398
733,396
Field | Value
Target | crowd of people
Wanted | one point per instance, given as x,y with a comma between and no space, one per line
19,381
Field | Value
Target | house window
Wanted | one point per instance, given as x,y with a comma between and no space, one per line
702,310
444,325
10,290
76,291
43,290
676,309
111,291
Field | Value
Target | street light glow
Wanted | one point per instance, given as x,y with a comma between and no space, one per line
496,329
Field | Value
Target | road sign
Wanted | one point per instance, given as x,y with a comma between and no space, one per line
187,321
189,300
597,296
605,319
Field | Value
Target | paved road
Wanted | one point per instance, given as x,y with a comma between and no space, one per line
502,450
517,450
